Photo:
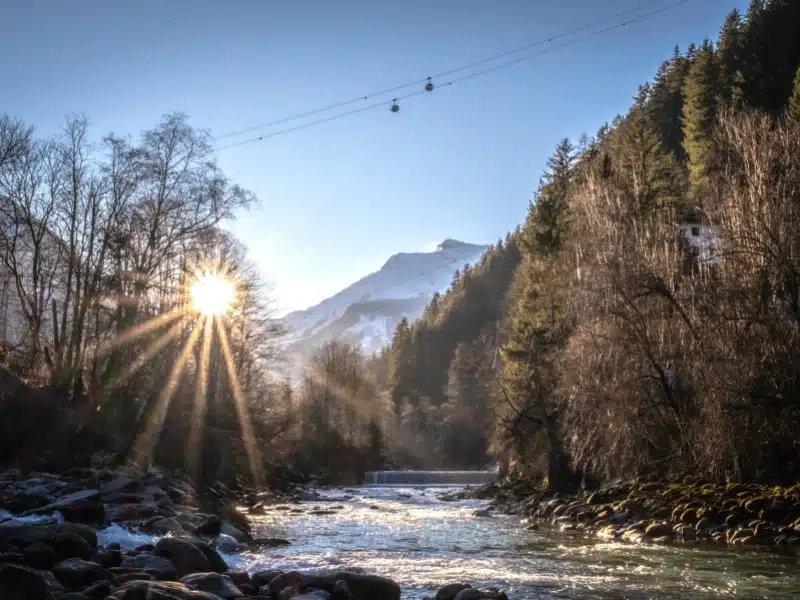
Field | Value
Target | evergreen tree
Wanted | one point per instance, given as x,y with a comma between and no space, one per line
549,213
537,328
699,113
793,110
754,48
400,367
729,49
651,175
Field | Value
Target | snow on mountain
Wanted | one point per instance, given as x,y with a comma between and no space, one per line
367,312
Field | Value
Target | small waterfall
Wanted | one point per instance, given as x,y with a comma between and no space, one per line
401,478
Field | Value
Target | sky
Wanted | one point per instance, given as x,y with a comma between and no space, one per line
337,199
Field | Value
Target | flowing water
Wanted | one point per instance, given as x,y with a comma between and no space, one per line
408,534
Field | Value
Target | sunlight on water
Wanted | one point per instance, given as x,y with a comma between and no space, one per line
421,542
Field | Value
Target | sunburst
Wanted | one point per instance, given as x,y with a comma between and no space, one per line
208,302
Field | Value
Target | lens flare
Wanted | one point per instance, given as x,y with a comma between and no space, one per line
212,294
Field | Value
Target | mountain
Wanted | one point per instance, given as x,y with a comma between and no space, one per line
367,312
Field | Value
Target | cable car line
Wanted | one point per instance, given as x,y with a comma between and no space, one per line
427,80
429,86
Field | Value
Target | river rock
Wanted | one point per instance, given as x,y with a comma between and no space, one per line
656,530
76,573
190,555
228,529
26,499
39,556
450,591
22,583
150,562
226,543
163,525
62,502
28,533
262,578
160,590
131,511
210,526
363,587
85,510
126,577
213,583
98,591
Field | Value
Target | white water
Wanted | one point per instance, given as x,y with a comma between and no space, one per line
422,543
408,534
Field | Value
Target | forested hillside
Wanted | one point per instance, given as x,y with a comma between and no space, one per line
646,316
644,319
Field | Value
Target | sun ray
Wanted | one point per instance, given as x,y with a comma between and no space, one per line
140,329
241,407
200,400
145,441
151,351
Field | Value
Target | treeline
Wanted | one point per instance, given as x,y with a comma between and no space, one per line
652,324
425,401
100,241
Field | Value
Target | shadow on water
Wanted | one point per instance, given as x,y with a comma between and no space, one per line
408,534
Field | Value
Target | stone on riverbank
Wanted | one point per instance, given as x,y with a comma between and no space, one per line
689,511
363,587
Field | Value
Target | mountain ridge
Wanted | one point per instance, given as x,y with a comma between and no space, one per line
367,311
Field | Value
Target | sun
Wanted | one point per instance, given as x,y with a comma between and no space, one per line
212,294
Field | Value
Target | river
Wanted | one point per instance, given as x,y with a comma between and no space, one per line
421,542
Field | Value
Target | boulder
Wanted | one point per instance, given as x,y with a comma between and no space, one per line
655,530
363,587
26,499
21,583
163,525
184,554
213,583
85,510
261,578
108,558
98,591
77,573
71,545
450,591
39,556
120,513
160,590
63,502
49,533
126,577
163,567
228,529
210,526
226,543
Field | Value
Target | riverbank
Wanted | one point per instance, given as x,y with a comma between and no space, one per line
689,512
56,535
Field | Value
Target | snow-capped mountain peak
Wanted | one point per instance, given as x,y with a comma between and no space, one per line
368,311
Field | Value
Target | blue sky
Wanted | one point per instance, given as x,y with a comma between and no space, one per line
338,199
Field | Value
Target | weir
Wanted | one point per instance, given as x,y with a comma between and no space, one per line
429,477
